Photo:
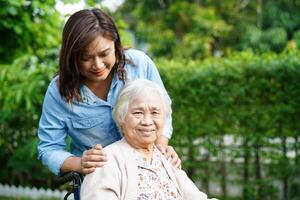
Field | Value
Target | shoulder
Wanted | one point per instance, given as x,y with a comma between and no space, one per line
53,96
112,148
115,161
53,86
137,57
134,54
117,149
117,157
138,64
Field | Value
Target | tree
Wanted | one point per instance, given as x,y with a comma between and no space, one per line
198,29
30,35
30,27
175,28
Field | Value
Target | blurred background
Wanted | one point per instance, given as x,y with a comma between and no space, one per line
232,69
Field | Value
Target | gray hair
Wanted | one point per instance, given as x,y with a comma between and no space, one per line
133,89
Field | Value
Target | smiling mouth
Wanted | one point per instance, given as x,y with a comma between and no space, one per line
147,132
99,72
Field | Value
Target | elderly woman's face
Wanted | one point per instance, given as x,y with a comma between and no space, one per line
145,120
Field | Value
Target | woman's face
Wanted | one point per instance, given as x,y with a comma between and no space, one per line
144,121
98,60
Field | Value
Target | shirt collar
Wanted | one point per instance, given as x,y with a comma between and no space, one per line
87,95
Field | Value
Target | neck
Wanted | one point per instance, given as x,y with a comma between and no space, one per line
145,150
147,153
94,85
100,88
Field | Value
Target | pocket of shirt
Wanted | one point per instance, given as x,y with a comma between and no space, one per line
87,123
99,129
91,130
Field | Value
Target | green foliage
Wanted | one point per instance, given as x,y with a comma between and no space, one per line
22,87
201,29
126,36
254,98
296,38
28,27
282,14
229,95
30,35
183,25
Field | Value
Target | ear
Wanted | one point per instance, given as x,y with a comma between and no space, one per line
121,126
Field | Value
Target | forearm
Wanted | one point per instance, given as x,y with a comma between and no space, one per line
72,163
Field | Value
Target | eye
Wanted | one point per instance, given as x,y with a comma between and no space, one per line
105,53
155,112
137,113
84,58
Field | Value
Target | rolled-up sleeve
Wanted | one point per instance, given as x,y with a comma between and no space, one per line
52,132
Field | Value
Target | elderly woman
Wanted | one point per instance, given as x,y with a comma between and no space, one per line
136,170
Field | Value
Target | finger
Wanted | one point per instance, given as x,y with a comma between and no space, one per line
174,158
88,170
97,146
161,148
170,152
95,158
92,164
95,152
177,164
86,160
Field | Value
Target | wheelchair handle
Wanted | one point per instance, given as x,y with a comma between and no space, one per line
73,176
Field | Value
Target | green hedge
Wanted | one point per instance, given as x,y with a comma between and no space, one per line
243,94
254,98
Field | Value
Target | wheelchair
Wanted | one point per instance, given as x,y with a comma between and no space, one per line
75,180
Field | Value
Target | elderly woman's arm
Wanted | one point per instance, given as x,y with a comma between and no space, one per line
102,184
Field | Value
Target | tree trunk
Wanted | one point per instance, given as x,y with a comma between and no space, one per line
223,168
285,179
207,169
257,168
246,194
191,171
296,151
259,9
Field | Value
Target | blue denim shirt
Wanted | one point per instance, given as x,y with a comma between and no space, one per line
88,122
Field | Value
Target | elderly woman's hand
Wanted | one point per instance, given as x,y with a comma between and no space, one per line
170,154
92,158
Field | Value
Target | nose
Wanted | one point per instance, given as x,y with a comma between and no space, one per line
147,120
98,63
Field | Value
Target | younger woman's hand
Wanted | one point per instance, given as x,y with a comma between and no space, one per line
92,158
170,154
